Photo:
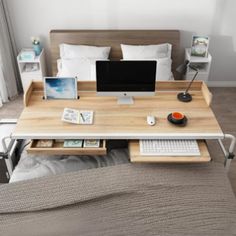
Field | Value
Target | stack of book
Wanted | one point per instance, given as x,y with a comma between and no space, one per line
27,54
44,143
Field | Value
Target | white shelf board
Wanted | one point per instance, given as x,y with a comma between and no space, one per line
35,60
194,59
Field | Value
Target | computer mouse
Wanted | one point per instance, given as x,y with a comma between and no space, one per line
151,120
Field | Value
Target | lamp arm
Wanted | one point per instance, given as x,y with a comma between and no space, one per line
186,91
193,67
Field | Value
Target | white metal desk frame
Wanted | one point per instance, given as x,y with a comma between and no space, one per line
228,153
8,149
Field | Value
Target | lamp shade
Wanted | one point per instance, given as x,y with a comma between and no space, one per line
182,69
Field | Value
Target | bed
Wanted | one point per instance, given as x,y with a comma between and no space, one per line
124,199
121,198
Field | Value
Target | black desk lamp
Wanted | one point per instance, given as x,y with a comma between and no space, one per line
182,69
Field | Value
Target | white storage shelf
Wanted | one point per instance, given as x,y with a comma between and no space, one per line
36,69
203,64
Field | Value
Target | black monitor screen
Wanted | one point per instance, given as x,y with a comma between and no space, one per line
130,76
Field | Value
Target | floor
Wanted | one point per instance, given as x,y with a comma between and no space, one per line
224,107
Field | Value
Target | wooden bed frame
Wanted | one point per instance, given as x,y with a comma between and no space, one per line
114,38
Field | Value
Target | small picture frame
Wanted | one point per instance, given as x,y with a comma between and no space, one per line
200,45
60,88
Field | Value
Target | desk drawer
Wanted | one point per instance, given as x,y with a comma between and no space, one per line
58,149
135,155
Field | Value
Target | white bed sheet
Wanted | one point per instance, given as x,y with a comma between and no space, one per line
33,166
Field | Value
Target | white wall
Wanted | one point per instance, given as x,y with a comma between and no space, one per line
228,21
223,43
37,18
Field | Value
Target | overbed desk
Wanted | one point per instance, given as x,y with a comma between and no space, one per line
41,119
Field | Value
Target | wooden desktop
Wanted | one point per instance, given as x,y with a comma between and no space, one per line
41,119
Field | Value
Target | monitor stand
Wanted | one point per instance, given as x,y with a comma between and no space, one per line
125,100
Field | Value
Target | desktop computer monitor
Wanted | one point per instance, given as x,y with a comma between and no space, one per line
125,79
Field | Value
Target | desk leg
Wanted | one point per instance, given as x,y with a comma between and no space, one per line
8,160
11,152
4,145
229,155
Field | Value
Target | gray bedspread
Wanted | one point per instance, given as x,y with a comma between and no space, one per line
125,199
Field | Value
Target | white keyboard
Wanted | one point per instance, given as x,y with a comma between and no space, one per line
163,147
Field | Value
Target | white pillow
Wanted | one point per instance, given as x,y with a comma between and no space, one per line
68,51
164,69
146,51
59,67
83,69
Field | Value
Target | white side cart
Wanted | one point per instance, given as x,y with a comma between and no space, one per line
32,69
203,64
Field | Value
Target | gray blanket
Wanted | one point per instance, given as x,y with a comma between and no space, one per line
125,199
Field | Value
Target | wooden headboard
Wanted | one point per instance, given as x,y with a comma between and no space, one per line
114,38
